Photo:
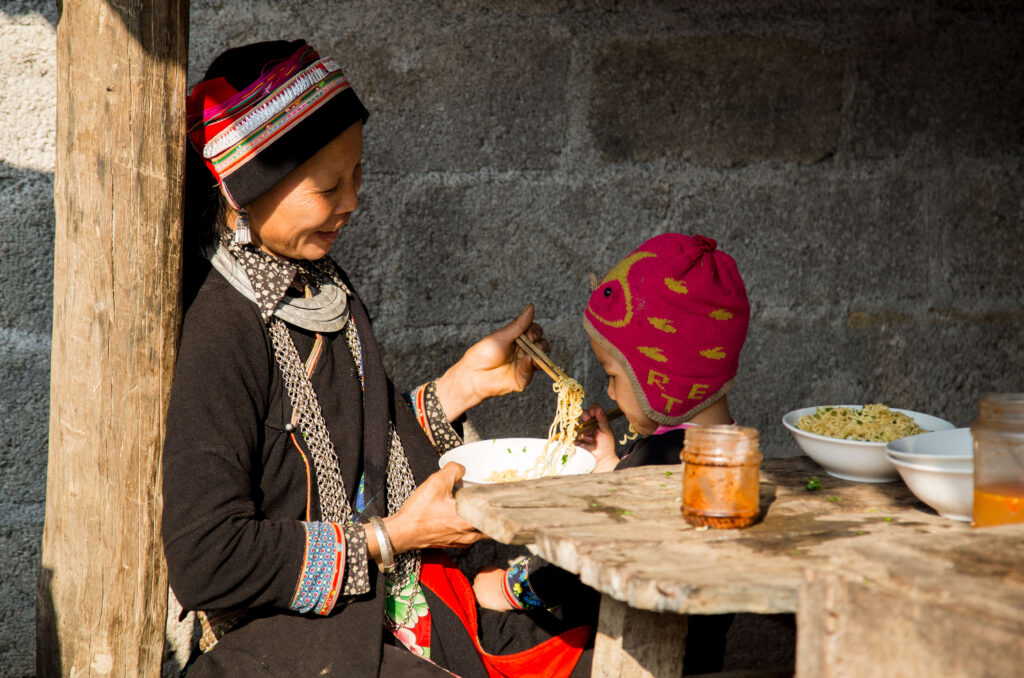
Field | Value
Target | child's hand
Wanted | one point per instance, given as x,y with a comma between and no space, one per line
487,588
599,441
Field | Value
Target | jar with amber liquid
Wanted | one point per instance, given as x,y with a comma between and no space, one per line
721,476
998,434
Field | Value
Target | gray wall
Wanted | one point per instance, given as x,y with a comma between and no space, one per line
860,160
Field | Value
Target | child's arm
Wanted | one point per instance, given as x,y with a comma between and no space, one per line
517,587
599,441
531,583
488,588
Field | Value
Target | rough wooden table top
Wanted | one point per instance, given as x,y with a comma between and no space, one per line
624,533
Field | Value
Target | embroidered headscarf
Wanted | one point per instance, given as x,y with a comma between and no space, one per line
674,314
264,109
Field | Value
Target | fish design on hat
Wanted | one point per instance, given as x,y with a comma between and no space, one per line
616,300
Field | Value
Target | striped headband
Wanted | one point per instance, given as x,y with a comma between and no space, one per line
257,95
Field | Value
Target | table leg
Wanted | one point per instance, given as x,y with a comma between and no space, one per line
638,644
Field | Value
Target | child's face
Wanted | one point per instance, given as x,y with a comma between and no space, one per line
621,392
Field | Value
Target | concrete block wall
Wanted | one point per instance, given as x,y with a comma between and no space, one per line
860,160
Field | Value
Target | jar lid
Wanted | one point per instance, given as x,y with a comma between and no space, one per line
722,443
1002,408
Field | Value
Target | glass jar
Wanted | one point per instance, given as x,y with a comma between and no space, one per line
998,434
721,476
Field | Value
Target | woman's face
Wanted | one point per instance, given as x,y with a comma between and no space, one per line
620,390
301,215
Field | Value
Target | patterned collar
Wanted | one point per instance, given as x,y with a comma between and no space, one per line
270,276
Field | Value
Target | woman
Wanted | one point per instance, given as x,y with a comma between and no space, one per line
302,506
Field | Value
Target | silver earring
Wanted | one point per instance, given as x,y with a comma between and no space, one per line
242,235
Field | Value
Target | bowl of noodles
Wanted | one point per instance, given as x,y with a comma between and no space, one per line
849,441
508,460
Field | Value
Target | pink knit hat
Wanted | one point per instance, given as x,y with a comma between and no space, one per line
674,314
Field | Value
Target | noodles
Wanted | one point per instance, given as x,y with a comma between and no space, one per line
567,416
507,476
873,423
561,445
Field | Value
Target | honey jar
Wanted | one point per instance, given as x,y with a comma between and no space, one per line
998,434
721,476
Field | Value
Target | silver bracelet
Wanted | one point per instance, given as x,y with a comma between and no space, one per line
387,551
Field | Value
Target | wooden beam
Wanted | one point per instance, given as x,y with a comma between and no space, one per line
102,595
947,605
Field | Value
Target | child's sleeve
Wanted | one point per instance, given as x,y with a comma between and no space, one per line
532,582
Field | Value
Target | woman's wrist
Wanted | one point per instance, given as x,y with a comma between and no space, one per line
455,393
395,533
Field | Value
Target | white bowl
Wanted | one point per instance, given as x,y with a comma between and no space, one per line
949,491
485,457
950,449
858,460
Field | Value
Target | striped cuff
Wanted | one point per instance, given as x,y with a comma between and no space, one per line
430,415
322,570
516,586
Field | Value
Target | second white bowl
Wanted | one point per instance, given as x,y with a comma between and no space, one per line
949,491
952,449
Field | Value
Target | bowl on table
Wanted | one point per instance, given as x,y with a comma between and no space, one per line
508,459
949,491
951,449
859,460
938,468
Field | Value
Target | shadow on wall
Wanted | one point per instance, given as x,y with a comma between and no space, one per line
48,662
49,10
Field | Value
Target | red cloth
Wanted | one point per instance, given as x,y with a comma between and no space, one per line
554,658
674,314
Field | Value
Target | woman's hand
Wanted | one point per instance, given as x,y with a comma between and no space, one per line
428,519
600,441
487,587
491,367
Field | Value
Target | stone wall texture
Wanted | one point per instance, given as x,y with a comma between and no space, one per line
862,161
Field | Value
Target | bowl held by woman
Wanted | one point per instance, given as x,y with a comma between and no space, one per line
504,460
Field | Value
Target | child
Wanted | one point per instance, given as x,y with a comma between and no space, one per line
667,324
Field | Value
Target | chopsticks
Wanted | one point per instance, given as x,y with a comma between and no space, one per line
557,373
541,358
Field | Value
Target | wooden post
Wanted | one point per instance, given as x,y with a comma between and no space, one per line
102,595
635,643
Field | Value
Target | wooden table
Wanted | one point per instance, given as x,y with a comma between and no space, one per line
624,534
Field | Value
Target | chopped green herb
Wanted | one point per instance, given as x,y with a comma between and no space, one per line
668,474
835,500
593,504
887,519
623,512
565,458
814,483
